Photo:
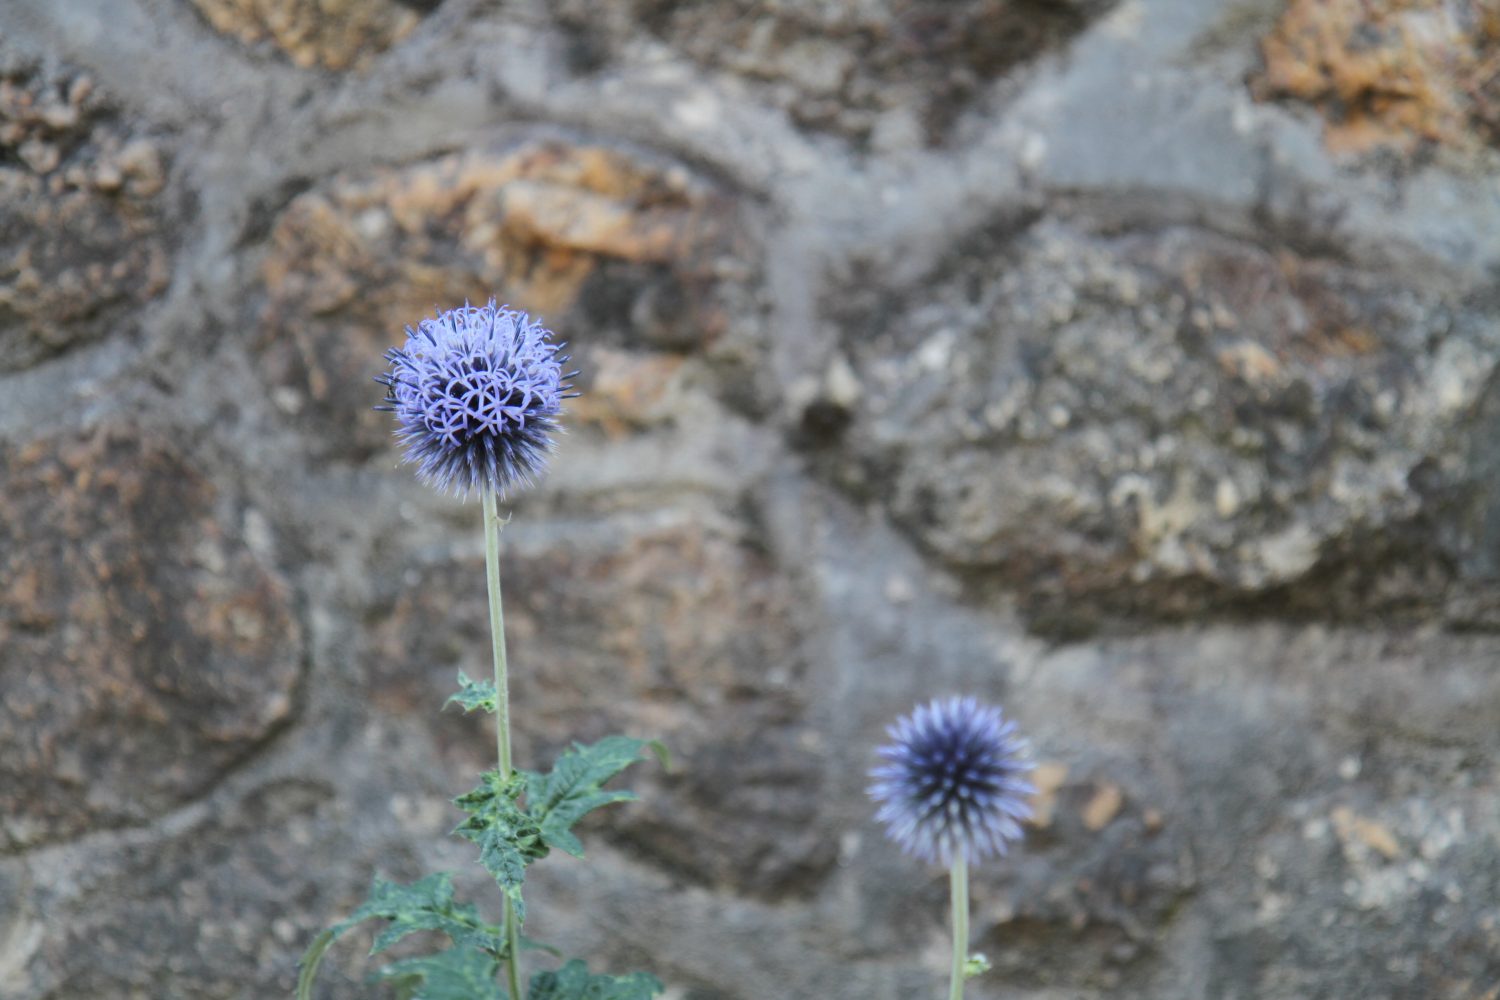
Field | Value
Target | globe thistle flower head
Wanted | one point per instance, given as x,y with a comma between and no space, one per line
476,392
954,782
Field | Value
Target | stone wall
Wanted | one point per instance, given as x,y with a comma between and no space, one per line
1133,363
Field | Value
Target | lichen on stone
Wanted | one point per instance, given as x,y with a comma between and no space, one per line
1389,73
332,34
84,211
581,232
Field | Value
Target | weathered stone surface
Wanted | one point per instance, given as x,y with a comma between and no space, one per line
669,630
334,34
1164,423
636,250
82,210
137,947
1358,884
1389,74
149,648
1251,850
1088,380
907,67
155,919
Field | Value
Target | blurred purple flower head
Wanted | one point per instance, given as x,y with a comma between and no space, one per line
476,393
953,782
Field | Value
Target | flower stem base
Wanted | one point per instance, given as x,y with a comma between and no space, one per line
492,526
959,879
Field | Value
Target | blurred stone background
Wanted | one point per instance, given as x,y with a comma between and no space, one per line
1133,363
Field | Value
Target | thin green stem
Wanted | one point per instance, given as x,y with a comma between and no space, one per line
959,876
492,526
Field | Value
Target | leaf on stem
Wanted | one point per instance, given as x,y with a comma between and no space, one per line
509,838
574,982
460,973
474,695
425,905
531,944
572,788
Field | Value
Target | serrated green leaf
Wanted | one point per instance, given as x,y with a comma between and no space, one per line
573,788
530,944
574,982
460,973
424,905
509,838
474,694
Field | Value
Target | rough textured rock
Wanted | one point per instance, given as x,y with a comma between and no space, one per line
1351,845
582,234
1389,74
164,899
668,629
133,605
909,67
172,905
334,34
1056,352
82,207
1166,423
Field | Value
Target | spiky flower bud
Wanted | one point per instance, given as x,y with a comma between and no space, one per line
954,782
476,393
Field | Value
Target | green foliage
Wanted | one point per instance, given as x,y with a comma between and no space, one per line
460,973
307,970
474,694
528,944
976,965
425,905
572,788
509,838
573,982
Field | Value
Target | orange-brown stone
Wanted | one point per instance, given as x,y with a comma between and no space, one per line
672,631
82,211
334,34
1388,73
148,648
530,224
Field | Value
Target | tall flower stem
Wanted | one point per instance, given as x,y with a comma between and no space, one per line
492,526
959,877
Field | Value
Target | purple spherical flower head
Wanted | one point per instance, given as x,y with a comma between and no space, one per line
476,393
954,782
